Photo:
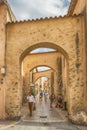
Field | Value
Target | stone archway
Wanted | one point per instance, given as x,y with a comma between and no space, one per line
46,73
33,61
45,85
23,37
48,83
30,72
43,59
51,60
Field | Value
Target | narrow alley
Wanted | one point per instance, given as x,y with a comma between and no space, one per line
43,118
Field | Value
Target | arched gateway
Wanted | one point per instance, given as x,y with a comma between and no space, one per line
65,34
23,37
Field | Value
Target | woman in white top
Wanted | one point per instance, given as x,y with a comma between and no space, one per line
31,100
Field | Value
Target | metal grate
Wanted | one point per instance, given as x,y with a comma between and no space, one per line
43,116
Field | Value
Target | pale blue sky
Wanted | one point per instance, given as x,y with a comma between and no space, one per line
32,9
44,68
39,50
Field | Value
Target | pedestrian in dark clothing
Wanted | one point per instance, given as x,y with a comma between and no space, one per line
52,97
59,102
41,95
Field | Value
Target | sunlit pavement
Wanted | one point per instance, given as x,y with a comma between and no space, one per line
43,118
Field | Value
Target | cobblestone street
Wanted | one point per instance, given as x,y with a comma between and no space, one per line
44,118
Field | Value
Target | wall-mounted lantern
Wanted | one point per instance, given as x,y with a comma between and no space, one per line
3,71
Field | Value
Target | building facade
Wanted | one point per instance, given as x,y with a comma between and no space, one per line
67,35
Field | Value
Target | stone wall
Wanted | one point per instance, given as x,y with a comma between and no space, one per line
4,18
64,34
76,7
79,7
2,58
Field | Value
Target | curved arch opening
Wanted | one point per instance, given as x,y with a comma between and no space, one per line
45,45
45,68
41,68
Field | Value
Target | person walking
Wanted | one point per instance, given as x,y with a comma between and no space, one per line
45,96
41,95
52,97
31,101
60,103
